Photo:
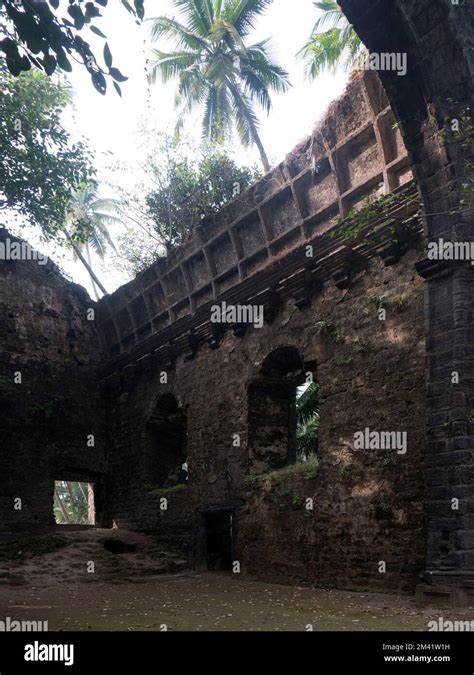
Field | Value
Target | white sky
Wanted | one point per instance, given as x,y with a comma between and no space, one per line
110,122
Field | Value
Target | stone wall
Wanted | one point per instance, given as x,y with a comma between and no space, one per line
368,505
174,385
47,341
438,89
174,375
354,154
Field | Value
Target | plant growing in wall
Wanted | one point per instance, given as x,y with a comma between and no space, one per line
374,209
328,331
6,391
180,182
458,130
361,345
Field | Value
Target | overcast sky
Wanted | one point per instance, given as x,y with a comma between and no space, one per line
110,122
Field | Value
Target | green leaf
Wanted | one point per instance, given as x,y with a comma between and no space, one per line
25,63
140,9
127,6
107,56
117,75
91,11
49,64
97,31
14,65
98,80
63,62
76,13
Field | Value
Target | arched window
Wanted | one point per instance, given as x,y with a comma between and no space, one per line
166,452
272,411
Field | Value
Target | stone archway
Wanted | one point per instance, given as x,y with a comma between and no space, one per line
272,410
166,444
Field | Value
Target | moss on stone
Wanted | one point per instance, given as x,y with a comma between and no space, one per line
164,492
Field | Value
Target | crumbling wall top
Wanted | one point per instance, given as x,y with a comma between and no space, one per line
355,152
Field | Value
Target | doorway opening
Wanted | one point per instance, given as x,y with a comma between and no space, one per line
219,538
74,503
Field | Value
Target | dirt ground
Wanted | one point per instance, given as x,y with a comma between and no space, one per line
150,586
213,602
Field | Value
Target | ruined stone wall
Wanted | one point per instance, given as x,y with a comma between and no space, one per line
368,505
280,246
355,153
46,338
438,89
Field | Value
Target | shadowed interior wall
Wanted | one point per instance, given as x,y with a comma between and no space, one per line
273,247
46,339
236,384
368,505
434,98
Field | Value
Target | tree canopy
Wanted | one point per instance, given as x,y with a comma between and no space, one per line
40,165
215,67
333,42
182,182
41,34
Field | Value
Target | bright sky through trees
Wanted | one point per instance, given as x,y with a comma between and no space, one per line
111,123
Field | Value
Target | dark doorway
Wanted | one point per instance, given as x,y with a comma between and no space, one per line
219,540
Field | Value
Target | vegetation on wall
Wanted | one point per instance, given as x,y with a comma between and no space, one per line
374,208
458,130
183,182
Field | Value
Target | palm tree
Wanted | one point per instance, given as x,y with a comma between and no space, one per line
333,42
87,210
307,430
215,67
